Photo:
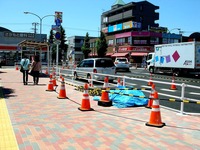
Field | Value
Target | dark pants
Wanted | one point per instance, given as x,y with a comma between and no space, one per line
36,77
25,76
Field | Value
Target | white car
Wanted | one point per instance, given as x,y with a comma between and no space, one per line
95,65
122,63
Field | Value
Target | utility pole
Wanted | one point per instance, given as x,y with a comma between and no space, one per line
35,24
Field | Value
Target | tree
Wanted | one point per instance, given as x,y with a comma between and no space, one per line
101,45
62,46
86,46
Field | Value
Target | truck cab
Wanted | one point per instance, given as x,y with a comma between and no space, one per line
150,62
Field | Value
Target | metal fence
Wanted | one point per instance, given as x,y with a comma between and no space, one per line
69,75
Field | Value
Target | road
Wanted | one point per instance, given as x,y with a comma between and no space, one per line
163,89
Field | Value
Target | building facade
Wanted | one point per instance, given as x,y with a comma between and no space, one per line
10,52
131,30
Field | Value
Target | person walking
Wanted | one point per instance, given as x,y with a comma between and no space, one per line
36,67
25,65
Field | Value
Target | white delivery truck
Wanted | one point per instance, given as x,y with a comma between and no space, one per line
179,58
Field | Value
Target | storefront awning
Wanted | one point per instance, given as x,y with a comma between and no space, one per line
139,54
109,54
119,54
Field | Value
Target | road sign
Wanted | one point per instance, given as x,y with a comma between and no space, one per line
58,35
58,16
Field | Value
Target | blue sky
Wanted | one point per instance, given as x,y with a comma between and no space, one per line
81,16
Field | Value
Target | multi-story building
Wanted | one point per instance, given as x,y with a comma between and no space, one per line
131,30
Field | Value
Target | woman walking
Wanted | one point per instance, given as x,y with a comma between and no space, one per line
36,67
25,66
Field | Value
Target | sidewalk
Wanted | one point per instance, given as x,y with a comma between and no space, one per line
41,121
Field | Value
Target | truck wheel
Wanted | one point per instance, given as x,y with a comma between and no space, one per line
151,70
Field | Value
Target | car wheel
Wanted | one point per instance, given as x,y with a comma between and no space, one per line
75,76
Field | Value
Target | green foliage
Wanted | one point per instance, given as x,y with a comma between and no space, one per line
86,46
101,45
62,46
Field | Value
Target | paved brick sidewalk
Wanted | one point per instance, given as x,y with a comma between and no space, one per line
43,122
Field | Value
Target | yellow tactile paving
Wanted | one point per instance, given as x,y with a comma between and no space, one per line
7,136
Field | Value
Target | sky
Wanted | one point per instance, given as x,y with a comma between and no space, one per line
82,16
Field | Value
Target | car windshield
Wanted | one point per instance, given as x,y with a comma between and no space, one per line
104,63
122,60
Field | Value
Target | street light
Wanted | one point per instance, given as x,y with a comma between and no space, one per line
170,32
40,18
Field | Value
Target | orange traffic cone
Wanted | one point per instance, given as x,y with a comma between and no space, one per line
118,82
62,93
61,76
151,97
150,80
46,72
50,85
105,101
85,105
90,82
106,84
173,86
16,67
155,117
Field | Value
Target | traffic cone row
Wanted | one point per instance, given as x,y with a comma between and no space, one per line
85,105
155,116
105,101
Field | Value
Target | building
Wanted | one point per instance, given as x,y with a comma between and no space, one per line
74,52
131,30
10,52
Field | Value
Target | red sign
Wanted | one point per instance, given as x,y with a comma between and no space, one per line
135,48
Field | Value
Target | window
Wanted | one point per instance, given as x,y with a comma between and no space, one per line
104,63
110,42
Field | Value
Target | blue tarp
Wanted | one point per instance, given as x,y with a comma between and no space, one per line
122,101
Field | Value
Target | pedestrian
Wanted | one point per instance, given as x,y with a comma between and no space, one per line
36,67
25,62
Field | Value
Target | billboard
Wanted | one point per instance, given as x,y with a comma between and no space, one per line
127,25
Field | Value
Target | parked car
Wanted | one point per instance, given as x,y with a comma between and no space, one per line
122,63
95,65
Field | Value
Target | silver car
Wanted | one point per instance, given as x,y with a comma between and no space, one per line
122,63
95,65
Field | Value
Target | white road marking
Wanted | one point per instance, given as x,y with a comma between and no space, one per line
194,93
168,90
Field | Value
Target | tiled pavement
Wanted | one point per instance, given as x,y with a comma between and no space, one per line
40,121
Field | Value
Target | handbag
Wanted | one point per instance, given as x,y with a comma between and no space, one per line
31,71
21,69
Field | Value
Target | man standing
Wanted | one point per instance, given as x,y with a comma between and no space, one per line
25,65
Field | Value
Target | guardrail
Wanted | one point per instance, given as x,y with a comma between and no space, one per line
70,73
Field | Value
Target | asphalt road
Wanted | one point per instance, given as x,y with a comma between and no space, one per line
165,94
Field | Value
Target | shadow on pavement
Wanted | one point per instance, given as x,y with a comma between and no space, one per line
6,92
